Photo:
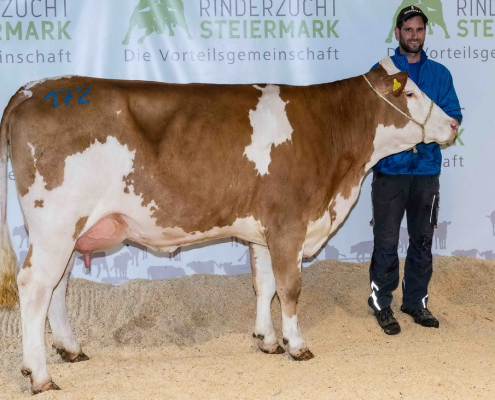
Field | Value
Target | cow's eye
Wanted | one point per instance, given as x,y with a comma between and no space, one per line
409,94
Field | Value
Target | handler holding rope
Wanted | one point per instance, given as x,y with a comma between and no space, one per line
409,182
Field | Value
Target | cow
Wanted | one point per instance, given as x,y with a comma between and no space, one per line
440,236
234,269
167,165
21,232
361,249
489,255
120,263
466,253
135,249
202,267
332,253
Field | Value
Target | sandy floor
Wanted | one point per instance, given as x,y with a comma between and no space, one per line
190,338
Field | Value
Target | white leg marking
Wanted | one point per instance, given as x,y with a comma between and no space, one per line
292,333
265,290
63,337
36,284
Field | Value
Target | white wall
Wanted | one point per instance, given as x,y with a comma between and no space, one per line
87,40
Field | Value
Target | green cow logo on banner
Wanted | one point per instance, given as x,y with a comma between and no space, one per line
433,10
157,16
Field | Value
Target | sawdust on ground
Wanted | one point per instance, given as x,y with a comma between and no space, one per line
190,338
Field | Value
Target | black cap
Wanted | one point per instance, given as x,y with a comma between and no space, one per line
410,12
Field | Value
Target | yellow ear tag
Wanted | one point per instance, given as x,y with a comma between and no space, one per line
397,85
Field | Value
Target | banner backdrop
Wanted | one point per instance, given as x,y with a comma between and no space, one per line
297,42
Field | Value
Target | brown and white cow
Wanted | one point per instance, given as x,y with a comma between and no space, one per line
168,165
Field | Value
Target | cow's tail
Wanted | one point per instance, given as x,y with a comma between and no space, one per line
9,266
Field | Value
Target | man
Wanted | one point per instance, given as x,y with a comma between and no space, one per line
409,182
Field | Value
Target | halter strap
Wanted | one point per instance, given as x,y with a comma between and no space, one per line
422,125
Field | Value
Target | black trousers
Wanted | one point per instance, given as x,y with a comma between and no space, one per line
392,195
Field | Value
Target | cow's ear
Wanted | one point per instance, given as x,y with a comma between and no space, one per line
394,84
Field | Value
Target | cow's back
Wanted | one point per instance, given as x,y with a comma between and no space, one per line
189,144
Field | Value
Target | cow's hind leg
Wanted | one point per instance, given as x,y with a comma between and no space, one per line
64,340
264,286
40,274
286,256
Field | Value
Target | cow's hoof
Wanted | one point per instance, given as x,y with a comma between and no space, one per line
46,387
302,355
274,348
68,357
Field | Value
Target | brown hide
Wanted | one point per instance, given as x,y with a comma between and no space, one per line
191,139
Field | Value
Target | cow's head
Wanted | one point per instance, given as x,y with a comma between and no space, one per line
407,130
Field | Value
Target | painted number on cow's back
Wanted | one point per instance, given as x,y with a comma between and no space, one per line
84,90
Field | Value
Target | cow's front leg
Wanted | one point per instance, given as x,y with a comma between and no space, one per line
41,272
264,286
286,255
64,340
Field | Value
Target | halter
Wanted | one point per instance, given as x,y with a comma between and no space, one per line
422,125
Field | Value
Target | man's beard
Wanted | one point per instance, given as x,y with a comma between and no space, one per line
410,49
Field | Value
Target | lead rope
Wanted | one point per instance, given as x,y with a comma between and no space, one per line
422,125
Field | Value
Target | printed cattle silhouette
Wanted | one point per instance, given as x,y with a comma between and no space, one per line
489,255
361,249
120,263
236,269
466,253
231,269
99,260
164,272
403,239
332,253
202,267
135,249
492,218
175,255
440,235
433,10
22,233
156,16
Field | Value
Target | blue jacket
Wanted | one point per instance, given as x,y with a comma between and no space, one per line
436,82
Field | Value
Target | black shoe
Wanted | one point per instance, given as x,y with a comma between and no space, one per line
387,321
422,316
